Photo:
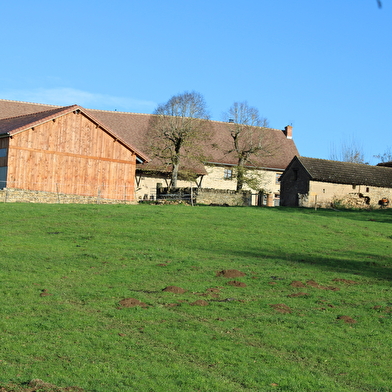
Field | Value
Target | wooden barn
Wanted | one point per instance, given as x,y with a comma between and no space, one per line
66,150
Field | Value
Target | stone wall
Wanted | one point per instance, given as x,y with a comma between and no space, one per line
223,197
206,196
11,195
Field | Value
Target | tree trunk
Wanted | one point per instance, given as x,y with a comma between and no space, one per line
240,175
174,176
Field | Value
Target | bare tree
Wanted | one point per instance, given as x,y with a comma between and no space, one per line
349,151
246,130
386,156
177,129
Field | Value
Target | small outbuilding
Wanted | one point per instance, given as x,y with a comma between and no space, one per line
311,182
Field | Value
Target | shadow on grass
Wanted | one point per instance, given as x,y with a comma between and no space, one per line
379,215
369,266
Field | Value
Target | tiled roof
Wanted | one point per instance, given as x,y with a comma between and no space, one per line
347,173
132,128
13,125
16,108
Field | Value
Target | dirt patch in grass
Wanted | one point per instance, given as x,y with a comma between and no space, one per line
230,273
45,293
281,308
347,319
297,284
132,302
344,281
171,305
213,290
199,302
314,284
236,283
174,289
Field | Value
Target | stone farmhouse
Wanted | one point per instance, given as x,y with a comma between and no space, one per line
216,172
311,182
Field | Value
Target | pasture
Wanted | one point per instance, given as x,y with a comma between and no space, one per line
178,298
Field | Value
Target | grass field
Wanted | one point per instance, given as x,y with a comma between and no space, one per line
312,310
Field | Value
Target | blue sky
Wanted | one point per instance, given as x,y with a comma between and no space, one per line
323,66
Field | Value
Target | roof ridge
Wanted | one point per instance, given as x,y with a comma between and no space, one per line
226,122
342,162
31,103
152,114
335,161
41,112
111,111
121,112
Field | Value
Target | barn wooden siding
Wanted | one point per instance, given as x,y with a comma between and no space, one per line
73,155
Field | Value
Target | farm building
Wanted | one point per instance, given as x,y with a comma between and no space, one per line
310,182
218,168
217,171
66,151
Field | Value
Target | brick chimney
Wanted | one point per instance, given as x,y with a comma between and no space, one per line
288,131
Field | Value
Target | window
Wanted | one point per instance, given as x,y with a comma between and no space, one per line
354,186
367,190
3,152
276,199
277,177
295,174
228,174
3,177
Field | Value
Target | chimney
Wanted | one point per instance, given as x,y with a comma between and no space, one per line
288,131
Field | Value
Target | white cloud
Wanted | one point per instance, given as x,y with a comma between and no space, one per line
69,96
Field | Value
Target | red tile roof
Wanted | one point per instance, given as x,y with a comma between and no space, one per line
17,108
133,126
13,125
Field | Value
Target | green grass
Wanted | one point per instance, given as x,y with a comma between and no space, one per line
90,257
